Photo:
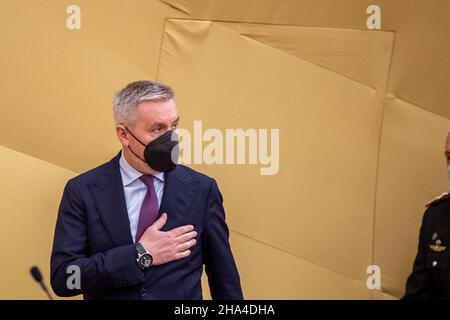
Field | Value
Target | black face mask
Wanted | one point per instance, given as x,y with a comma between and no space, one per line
162,153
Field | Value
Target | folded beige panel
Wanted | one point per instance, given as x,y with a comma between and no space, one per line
412,171
319,206
420,70
57,84
421,56
283,276
332,13
380,295
361,55
31,190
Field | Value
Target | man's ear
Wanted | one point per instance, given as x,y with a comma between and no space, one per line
122,134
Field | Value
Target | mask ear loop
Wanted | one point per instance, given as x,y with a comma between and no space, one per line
137,141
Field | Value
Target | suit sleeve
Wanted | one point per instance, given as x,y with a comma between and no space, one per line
223,277
420,283
106,270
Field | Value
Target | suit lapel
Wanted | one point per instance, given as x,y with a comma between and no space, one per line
179,192
109,198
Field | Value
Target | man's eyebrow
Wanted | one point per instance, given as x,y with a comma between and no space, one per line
157,124
176,120
160,124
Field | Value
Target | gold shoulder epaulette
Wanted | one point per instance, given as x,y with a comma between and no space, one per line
442,197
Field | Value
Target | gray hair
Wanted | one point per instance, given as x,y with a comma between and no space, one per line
125,101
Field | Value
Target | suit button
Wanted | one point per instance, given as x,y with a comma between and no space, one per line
434,263
142,292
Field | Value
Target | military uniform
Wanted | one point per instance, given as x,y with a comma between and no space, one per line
430,278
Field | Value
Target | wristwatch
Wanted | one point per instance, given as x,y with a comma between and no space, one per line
144,258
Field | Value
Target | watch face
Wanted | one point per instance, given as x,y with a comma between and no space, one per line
146,261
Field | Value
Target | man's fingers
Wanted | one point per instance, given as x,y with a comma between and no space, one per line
158,224
182,230
186,236
186,245
181,255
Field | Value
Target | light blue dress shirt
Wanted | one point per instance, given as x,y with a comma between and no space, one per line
135,190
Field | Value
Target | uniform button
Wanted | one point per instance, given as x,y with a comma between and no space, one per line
434,263
142,292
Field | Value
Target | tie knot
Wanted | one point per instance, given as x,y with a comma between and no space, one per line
147,179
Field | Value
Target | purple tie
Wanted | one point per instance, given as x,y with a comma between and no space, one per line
149,209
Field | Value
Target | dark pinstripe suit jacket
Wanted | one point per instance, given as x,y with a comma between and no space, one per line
93,233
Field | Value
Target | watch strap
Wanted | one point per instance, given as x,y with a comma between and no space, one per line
140,248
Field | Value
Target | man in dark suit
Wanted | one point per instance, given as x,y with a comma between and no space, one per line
430,278
140,226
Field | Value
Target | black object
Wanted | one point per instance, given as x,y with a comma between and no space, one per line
36,274
162,153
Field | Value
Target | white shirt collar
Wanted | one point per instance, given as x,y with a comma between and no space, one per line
130,174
